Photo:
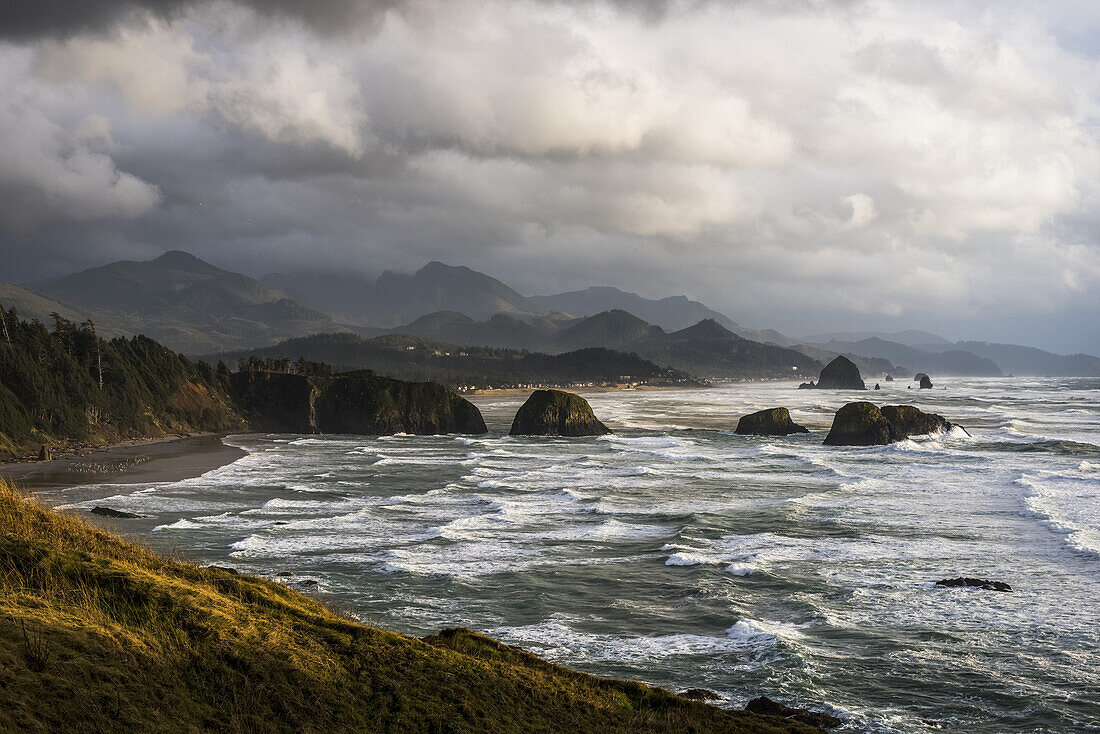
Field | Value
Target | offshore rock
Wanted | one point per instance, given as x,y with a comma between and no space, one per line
556,413
889,378
908,421
975,583
110,512
840,374
864,424
924,380
770,422
860,424
767,707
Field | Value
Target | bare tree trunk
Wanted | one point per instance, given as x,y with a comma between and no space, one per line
4,323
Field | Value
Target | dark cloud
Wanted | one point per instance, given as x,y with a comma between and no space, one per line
30,19
805,165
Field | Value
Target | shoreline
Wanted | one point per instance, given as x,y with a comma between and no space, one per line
142,461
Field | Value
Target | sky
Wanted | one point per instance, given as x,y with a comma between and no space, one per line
802,165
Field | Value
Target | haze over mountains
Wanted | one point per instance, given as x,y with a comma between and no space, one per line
198,308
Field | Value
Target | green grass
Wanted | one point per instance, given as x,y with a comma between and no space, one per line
100,634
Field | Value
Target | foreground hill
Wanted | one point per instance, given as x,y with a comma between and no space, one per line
184,303
97,634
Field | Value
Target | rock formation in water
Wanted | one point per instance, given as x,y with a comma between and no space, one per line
111,512
889,378
353,402
767,707
859,424
864,424
909,421
924,380
770,422
975,583
556,413
807,386
840,374
878,386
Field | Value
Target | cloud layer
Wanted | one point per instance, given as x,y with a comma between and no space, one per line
805,165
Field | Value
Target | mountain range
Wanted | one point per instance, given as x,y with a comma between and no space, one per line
198,308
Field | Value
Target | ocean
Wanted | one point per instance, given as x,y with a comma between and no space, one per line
680,554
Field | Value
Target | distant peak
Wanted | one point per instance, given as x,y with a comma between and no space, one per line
180,260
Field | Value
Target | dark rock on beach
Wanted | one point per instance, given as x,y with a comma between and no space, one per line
700,694
975,583
767,707
770,422
226,569
556,413
109,512
860,424
44,454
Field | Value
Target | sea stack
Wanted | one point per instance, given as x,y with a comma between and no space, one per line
840,374
864,424
556,413
770,422
924,380
859,424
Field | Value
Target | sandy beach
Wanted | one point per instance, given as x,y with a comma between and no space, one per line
161,460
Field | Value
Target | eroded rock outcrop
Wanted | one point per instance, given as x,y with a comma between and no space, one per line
859,424
354,402
556,413
908,421
770,422
864,424
924,380
111,512
767,707
975,583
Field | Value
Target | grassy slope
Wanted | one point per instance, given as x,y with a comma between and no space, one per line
138,642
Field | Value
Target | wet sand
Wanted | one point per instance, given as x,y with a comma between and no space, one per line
165,460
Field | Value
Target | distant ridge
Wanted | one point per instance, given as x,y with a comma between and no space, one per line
183,302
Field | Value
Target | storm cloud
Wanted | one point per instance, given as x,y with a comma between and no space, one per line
808,166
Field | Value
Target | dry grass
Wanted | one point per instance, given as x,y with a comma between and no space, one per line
99,634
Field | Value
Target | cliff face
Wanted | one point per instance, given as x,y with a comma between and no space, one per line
355,402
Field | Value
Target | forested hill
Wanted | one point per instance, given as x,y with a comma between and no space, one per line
68,385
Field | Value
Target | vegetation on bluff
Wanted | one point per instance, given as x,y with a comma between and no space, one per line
67,384
97,634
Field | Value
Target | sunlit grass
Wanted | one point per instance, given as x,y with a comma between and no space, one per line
101,634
